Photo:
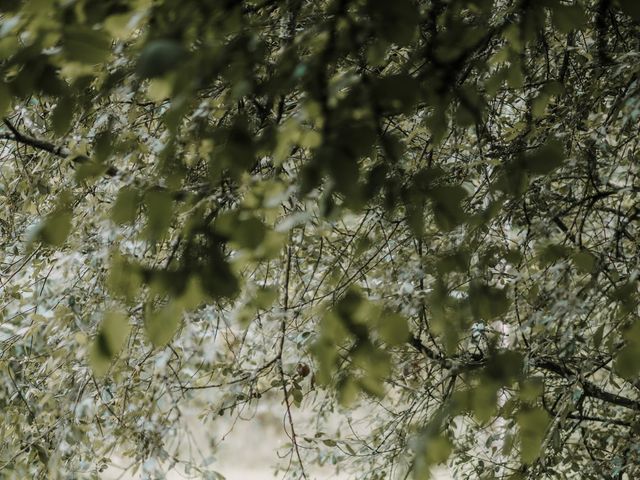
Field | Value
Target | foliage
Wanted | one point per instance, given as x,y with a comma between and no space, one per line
425,208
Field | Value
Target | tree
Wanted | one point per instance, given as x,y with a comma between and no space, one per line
429,208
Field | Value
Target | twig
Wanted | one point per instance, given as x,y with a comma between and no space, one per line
283,325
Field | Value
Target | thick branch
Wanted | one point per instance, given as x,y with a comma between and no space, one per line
34,142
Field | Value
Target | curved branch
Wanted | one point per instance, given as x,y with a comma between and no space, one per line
590,389
34,142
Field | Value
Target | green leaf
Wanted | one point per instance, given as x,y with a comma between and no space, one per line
265,296
5,98
375,365
249,233
438,450
584,261
569,17
531,389
514,76
431,448
87,168
483,399
396,93
532,425
109,341
62,116
348,391
103,146
160,57
456,261
192,296
242,228
394,21
393,328
539,105
546,158
124,278
552,253
503,368
627,296
159,208
85,45
296,393
597,337
414,203
447,208
216,277
627,361
121,25
161,325
56,227
125,208
488,302
631,8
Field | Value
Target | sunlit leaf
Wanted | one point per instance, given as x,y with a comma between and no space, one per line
162,324
109,341
532,429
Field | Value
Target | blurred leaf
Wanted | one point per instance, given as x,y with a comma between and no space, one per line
395,22
431,448
125,208
87,168
396,93
161,325
631,8
488,302
457,261
62,116
159,209
265,296
532,424
55,228
531,389
348,391
85,45
597,337
552,253
393,328
569,17
124,278
438,450
447,208
584,261
414,202
160,57
503,368
627,361
545,159
109,341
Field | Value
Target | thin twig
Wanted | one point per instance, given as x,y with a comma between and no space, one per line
283,326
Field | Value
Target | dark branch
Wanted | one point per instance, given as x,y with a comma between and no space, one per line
590,389
34,142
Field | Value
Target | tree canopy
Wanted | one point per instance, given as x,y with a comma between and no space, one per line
427,209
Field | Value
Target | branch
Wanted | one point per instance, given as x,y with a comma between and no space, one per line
590,389
591,418
33,142
283,325
200,190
